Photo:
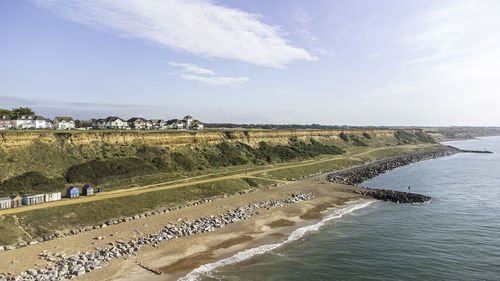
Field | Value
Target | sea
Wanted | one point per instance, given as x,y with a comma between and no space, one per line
454,237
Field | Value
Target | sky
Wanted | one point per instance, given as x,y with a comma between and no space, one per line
356,62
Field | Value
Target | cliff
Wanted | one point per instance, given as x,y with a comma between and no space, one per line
54,153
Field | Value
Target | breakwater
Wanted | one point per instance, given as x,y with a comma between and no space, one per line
357,175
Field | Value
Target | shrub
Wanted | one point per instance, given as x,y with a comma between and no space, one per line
344,137
367,136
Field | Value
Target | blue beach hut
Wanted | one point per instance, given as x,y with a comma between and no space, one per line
73,192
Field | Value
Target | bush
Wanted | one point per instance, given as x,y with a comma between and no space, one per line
31,182
357,141
344,137
97,171
367,136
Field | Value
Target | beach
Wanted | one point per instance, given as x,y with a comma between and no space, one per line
175,258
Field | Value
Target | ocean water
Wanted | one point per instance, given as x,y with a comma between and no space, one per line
455,237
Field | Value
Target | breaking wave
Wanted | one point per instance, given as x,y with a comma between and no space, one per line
204,270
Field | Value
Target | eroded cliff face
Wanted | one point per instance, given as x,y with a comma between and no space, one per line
19,140
52,153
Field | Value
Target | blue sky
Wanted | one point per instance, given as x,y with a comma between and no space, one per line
356,62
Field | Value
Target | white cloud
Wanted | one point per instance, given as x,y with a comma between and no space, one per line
191,68
196,26
193,72
216,80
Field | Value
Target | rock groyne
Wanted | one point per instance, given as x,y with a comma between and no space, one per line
357,175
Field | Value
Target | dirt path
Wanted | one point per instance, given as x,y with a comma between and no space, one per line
16,222
158,187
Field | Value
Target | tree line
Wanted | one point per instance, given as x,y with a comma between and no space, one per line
17,111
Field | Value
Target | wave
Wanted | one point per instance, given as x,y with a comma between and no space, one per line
294,236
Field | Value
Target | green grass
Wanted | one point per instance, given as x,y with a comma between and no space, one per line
295,172
9,232
47,221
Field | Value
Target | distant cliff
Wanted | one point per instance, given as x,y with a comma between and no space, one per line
461,133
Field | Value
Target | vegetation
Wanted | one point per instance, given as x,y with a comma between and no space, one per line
407,138
344,137
30,183
46,221
357,141
367,136
17,111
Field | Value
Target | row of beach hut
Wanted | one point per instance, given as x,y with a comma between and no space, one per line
72,192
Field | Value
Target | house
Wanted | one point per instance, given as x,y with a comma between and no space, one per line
197,125
42,122
64,123
88,190
189,121
5,122
111,122
17,201
73,192
192,124
34,199
158,124
84,124
175,124
5,203
22,122
138,123
52,196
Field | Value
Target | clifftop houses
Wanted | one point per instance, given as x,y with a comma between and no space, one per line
33,122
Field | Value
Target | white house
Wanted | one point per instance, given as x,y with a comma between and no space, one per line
42,122
159,124
197,125
64,123
175,124
139,123
111,122
189,121
5,122
23,122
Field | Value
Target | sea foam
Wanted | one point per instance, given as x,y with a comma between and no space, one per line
204,270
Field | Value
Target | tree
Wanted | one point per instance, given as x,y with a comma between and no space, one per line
5,112
22,111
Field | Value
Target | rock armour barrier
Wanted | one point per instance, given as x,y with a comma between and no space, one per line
69,267
357,175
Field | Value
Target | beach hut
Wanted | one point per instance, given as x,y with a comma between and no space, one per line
88,190
5,203
52,196
73,192
34,199
17,201
100,189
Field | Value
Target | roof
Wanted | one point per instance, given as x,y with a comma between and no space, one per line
88,187
84,123
38,117
59,119
113,118
73,188
140,119
16,197
157,120
188,116
172,121
5,199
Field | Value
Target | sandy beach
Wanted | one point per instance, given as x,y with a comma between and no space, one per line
175,258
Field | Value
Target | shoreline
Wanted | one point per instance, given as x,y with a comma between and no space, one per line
178,257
